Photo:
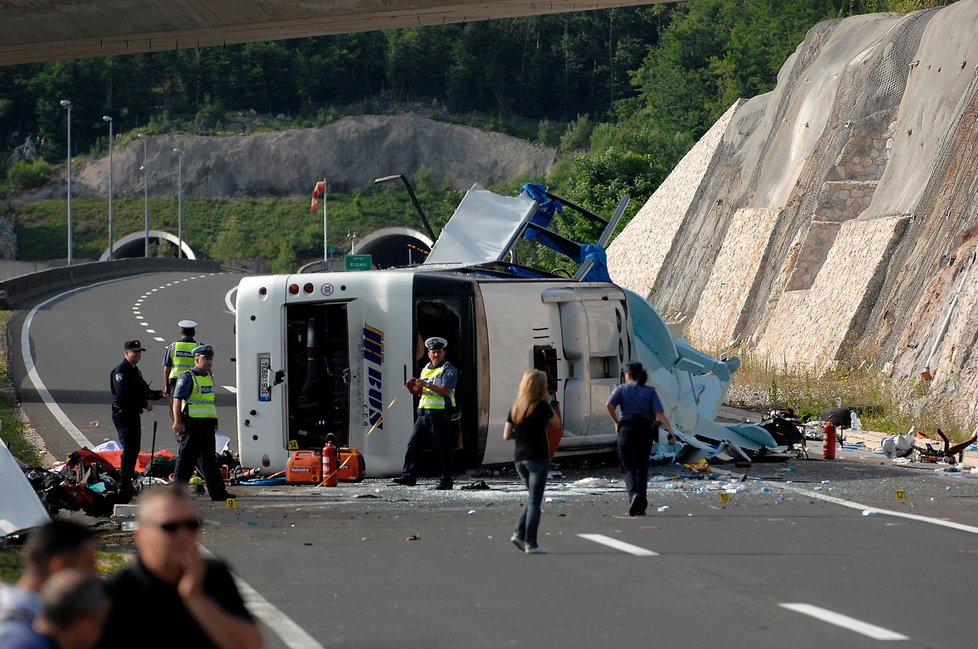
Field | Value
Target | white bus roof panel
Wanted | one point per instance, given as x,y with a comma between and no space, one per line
482,229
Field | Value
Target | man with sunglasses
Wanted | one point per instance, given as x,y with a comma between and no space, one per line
130,396
171,595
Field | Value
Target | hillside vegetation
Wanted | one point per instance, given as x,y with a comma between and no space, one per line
625,93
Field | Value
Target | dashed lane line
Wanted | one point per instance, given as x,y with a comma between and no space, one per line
844,621
619,545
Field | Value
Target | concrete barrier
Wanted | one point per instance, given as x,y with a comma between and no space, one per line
18,292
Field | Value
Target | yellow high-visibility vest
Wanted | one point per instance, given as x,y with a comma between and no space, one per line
200,405
429,399
181,358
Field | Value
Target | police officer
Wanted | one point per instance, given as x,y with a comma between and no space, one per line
640,409
195,422
130,396
179,356
433,425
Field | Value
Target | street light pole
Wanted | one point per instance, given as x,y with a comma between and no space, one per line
109,120
145,194
179,153
67,104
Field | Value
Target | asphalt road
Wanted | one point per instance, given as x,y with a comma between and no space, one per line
767,557
76,339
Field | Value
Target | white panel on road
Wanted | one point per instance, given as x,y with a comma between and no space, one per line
619,545
230,388
846,622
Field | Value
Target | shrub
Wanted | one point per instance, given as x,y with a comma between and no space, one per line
25,175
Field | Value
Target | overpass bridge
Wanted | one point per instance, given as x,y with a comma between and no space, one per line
52,30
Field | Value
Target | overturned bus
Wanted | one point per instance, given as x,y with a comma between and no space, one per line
329,353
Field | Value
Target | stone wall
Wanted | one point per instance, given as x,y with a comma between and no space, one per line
734,277
650,235
836,219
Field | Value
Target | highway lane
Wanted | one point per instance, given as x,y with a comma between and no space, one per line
76,339
768,569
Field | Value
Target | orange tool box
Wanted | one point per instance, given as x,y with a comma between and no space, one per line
351,465
304,467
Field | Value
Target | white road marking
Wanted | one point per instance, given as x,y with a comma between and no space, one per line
159,339
139,317
619,545
230,388
151,331
887,512
35,378
846,622
293,635
228,301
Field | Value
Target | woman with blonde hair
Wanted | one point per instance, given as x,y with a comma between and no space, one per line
527,423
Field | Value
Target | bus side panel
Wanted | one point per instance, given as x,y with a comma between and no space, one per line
517,321
382,420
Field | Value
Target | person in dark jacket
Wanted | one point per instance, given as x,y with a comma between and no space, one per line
527,423
641,415
171,595
130,396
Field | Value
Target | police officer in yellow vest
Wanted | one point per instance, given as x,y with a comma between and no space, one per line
179,356
433,425
195,421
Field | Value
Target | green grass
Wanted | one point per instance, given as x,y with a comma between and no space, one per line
886,406
228,230
11,427
12,563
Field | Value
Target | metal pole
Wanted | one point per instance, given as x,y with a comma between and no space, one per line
145,196
67,104
109,120
179,153
325,220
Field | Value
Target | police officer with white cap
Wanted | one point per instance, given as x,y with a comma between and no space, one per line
435,409
179,356
195,422
130,396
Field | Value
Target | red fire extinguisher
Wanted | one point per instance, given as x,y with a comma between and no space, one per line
828,441
330,474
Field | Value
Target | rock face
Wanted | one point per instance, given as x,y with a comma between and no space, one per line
836,215
351,152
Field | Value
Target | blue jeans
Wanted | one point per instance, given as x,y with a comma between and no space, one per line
534,475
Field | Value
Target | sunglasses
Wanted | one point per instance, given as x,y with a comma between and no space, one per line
191,524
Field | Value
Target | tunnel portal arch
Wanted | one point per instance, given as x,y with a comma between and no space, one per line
133,245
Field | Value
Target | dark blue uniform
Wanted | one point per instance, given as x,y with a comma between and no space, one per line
638,405
433,428
130,395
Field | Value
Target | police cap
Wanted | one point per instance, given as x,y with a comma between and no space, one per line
187,324
134,345
204,350
436,342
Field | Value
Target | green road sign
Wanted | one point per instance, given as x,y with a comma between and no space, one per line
330,250
359,262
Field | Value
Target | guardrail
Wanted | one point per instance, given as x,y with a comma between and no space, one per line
18,292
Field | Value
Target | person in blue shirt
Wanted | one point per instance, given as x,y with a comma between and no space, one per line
641,415
195,422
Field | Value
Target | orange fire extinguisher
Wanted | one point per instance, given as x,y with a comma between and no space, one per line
828,441
330,473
